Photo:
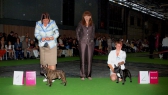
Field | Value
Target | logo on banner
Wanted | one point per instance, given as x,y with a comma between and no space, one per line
153,77
30,77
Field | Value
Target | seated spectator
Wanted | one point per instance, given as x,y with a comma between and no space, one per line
75,48
10,50
26,49
60,43
2,48
15,37
33,47
145,47
11,37
18,49
133,47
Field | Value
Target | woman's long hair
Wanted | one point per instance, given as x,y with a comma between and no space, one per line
45,16
87,13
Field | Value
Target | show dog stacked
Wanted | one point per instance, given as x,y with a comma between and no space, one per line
122,74
54,74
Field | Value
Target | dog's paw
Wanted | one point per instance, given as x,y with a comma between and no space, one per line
64,84
117,82
131,81
122,83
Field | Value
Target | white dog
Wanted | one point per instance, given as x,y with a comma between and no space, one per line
160,56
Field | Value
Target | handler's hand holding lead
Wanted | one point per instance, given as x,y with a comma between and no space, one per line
43,39
47,38
51,38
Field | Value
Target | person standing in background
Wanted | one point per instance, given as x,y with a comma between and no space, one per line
151,45
85,32
11,37
46,32
165,46
109,43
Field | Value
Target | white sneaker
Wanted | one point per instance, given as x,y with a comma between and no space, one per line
44,80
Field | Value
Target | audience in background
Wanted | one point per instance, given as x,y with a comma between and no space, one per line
2,48
10,50
28,52
18,49
75,48
61,45
11,38
33,49
15,37
71,44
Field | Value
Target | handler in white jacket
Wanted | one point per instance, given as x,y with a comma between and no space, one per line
116,57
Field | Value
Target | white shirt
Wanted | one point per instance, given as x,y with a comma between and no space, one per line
114,59
10,47
165,42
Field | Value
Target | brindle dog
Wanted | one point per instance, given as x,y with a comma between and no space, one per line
54,74
123,74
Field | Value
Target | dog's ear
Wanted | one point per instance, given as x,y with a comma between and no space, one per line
115,66
46,65
119,66
42,66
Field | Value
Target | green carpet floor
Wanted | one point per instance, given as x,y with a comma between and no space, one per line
75,86
97,86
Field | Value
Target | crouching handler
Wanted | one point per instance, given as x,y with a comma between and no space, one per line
116,57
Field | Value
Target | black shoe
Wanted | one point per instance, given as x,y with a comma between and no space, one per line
32,57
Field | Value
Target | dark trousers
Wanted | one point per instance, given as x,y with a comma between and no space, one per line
96,52
165,54
86,55
151,50
17,53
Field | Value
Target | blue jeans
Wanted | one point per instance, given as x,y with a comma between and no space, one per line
19,52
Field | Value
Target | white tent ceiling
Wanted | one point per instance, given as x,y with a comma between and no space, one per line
156,8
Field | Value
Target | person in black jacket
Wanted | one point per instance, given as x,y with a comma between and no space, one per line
151,45
11,38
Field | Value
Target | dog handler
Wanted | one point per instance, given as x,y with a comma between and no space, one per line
46,31
116,57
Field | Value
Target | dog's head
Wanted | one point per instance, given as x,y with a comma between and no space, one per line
44,69
117,69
